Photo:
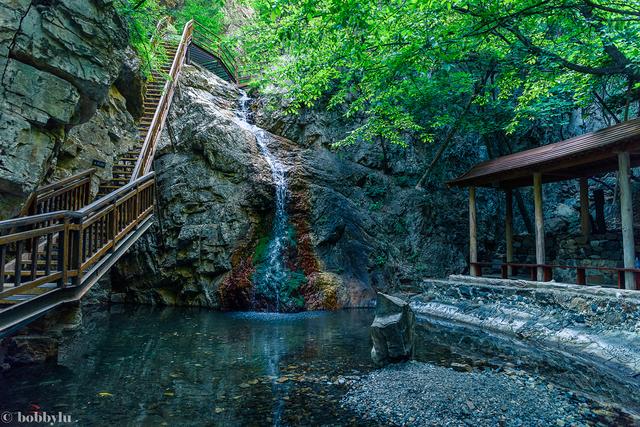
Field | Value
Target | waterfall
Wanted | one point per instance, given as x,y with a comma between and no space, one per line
275,273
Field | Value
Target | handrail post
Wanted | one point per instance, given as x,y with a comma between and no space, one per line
112,225
77,249
137,209
63,251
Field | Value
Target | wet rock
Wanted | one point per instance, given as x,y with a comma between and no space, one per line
392,330
28,350
131,83
215,195
368,222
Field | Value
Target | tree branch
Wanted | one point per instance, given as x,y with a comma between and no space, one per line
584,69
611,9
605,107
454,129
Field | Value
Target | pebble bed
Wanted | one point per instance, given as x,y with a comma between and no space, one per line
422,394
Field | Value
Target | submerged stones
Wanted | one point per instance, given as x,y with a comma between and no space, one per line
28,350
392,330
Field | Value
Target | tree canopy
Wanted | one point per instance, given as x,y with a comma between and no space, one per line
420,68
143,16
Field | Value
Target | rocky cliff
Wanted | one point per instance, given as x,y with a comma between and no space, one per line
357,222
58,61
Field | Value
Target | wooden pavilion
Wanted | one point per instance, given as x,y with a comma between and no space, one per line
616,148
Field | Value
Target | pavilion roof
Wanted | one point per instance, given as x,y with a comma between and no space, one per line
582,156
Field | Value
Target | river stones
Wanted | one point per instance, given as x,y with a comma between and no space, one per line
392,330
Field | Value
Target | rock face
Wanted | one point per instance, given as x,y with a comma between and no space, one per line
356,228
29,350
216,200
367,222
57,63
214,191
110,132
392,330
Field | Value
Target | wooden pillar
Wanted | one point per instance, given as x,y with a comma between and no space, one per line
537,200
585,223
598,201
473,233
626,213
508,227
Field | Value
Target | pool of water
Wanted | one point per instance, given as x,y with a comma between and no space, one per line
178,366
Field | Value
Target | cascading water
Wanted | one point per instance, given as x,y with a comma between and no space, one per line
274,274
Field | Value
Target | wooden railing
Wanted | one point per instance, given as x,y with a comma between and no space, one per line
510,269
20,240
208,40
145,159
58,247
69,193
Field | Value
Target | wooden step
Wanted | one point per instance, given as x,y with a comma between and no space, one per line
28,295
109,187
39,262
24,273
122,178
36,290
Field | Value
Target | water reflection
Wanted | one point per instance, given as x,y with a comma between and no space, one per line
177,366
192,367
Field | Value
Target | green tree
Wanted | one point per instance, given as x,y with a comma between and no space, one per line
420,70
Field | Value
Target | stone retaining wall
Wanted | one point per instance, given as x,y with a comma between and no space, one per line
595,324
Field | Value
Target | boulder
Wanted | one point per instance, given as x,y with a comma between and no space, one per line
57,62
392,330
213,189
28,350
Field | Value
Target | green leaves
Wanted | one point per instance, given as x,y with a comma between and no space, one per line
143,17
409,66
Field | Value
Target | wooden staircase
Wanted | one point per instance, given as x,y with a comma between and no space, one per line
125,164
209,62
62,243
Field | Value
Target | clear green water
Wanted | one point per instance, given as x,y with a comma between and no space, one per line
177,366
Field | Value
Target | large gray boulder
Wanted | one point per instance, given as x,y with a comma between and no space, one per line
392,330
214,190
57,63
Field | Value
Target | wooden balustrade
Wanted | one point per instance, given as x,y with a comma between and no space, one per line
69,193
21,257
102,224
145,159
58,247
510,269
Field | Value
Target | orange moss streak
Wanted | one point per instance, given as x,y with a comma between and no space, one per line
236,290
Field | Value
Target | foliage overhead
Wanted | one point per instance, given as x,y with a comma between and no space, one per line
418,68
143,16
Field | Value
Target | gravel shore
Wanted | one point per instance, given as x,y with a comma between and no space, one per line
416,393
